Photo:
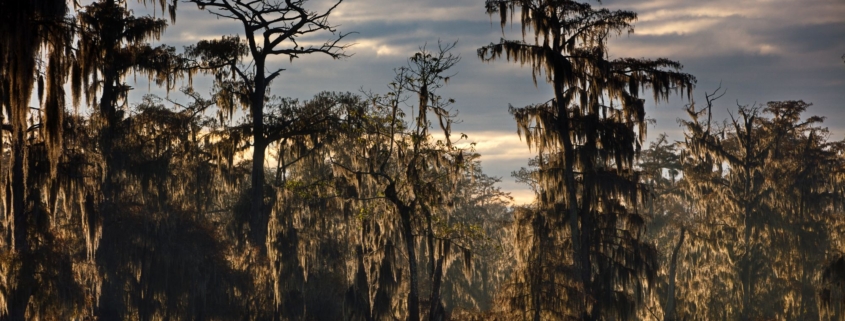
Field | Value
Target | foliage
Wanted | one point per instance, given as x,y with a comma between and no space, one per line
588,260
235,204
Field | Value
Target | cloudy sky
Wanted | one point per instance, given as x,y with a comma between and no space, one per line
759,50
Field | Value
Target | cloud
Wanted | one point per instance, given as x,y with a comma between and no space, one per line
759,50
503,152
715,27
391,11
677,25
499,145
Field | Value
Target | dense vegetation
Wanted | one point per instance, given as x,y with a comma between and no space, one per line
241,205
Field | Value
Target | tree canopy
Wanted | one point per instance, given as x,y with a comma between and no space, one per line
228,202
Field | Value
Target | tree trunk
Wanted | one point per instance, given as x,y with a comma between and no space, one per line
21,244
746,279
670,292
537,275
413,294
588,222
24,282
258,219
25,286
107,134
571,192
408,234
108,301
436,312
747,286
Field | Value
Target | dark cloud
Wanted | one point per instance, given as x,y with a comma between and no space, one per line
758,50
807,38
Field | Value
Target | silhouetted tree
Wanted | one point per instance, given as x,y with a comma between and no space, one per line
417,174
271,28
31,31
587,138
112,43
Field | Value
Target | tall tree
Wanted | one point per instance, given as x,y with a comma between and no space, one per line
112,44
415,172
271,28
745,152
803,221
589,134
764,172
661,166
30,30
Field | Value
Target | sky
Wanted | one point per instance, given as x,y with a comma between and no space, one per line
757,50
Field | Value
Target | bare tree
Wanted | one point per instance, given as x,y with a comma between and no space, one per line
271,28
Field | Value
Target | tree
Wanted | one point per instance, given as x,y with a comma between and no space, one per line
112,44
415,173
305,204
480,223
271,28
166,252
768,177
587,138
746,153
804,219
30,30
661,167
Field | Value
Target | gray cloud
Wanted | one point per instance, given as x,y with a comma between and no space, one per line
758,50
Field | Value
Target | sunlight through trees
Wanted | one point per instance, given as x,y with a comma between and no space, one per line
226,202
